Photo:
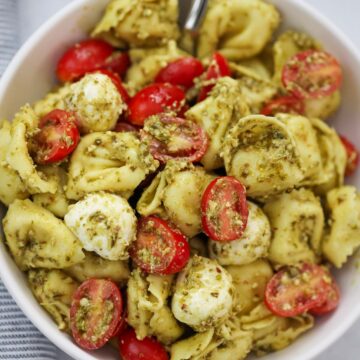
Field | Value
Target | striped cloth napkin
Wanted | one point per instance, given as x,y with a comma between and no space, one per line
19,339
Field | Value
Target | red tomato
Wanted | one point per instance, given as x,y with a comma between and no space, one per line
159,248
123,126
181,72
179,139
352,156
284,104
218,67
297,289
155,99
118,62
133,349
83,57
117,82
331,302
95,313
312,74
57,138
224,209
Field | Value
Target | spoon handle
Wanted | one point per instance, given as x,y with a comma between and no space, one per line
195,15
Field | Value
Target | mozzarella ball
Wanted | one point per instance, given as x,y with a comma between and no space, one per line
96,101
104,223
253,244
203,296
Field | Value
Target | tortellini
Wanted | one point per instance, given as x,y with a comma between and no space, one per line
146,63
297,222
57,203
94,266
148,312
176,193
53,100
203,295
114,162
96,102
323,107
36,238
54,290
139,23
227,342
216,114
271,332
333,159
249,283
261,152
18,157
104,223
342,237
253,244
11,185
237,28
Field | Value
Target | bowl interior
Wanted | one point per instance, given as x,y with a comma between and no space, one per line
31,75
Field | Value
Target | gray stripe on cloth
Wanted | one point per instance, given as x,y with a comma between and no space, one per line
19,339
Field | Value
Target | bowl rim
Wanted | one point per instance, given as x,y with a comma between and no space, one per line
6,275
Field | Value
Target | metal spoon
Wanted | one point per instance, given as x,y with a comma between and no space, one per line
191,14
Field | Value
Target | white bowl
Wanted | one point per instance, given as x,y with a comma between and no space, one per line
31,74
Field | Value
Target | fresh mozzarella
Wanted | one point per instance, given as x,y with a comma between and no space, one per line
253,244
104,223
203,294
96,102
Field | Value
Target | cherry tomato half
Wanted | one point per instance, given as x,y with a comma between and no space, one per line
118,63
174,138
115,78
95,313
133,349
352,156
312,74
159,248
218,67
284,104
155,99
181,72
224,209
297,289
57,138
83,57
331,303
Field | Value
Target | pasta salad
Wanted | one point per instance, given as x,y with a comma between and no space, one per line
183,197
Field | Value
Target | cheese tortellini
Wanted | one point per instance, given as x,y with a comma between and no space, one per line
249,284
216,114
37,239
297,222
18,157
53,289
176,193
148,312
271,332
342,236
139,23
261,152
108,161
237,28
94,266
11,185
203,295
253,244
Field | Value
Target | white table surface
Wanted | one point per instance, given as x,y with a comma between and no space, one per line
343,13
